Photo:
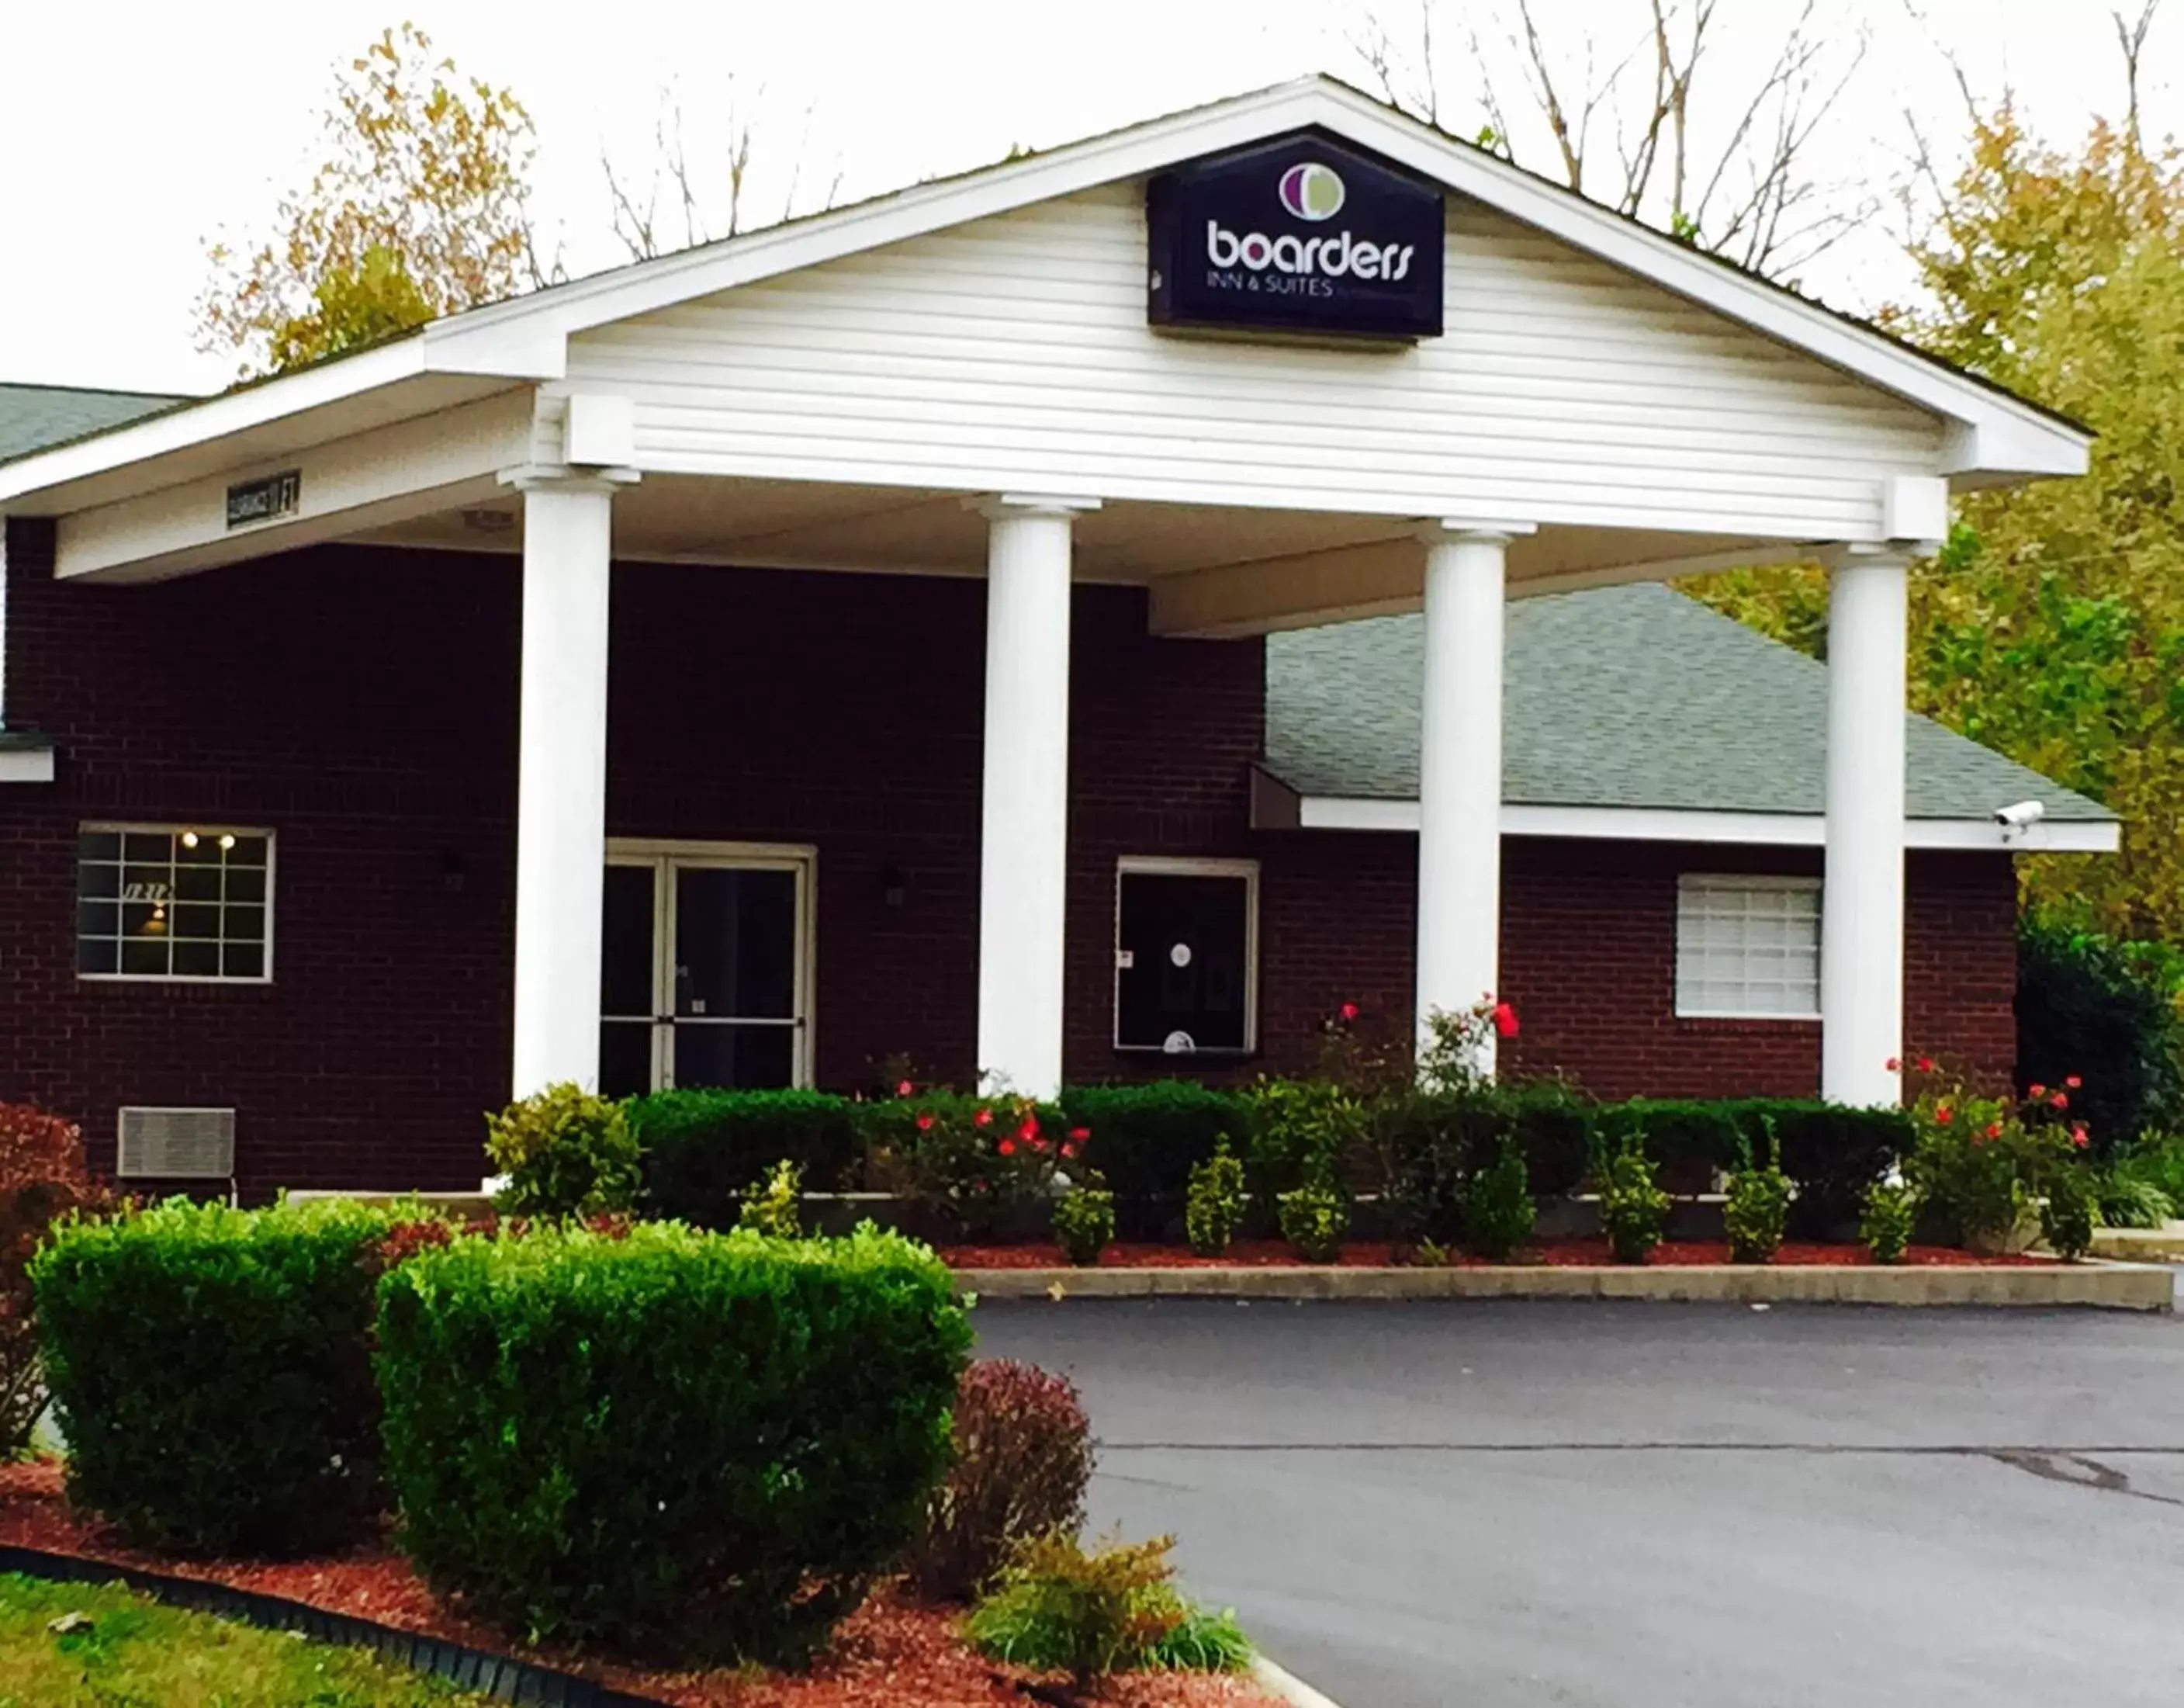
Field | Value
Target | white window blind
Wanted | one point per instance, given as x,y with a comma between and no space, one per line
1748,946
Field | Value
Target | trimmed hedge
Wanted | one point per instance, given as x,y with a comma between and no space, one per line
702,1148
209,1372
711,1441
1147,1138
1833,1151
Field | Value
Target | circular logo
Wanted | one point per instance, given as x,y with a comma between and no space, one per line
1312,192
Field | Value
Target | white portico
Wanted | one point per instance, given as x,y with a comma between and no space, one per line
965,380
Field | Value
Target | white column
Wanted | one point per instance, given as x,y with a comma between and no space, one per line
1862,901
1460,771
1024,828
560,812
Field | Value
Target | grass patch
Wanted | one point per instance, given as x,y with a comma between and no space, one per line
138,1654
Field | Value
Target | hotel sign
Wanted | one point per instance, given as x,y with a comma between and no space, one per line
1299,235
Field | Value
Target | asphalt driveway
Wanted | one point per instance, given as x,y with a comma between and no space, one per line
1468,1505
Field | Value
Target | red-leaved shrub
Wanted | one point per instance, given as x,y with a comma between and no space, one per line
42,1177
1023,1455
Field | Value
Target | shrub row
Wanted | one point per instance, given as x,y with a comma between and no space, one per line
702,1148
625,1434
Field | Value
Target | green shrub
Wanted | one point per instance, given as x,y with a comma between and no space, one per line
1059,1608
2129,1200
1554,1127
1634,1210
968,1163
1972,1164
1757,1210
1831,1152
1084,1219
2069,1212
1429,1145
1498,1212
1315,1219
714,1441
1023,1458
42,1179
1886,1218
2105,1011
2154,1160
774,1206
1147,1138
566,1153
1303,1132
702,1148
209,1369
1213,1208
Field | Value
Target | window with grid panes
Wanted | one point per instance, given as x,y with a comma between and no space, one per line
174,902
1748,946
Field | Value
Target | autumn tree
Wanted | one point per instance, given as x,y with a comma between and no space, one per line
2052,626
1648,114
420,208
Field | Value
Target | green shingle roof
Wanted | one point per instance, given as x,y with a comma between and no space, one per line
34,416
1621,696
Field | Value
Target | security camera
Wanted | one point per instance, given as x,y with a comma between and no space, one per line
2019,819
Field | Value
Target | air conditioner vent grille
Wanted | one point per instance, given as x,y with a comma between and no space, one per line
171,1144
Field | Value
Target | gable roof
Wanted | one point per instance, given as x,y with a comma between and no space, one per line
1631,696
1996,434
32,417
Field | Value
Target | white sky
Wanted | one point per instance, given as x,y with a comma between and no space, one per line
130,133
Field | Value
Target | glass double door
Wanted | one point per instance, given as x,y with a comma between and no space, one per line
703,979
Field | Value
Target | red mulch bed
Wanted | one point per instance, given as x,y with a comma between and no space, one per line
1556,1253
891,1652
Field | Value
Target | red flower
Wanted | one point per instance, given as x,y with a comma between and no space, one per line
904,1089
1008,1148
1925,1064
2079,1136
1069,1149
1943,1114
984,1117
1349,1011
2073,1082
1080,1134
925,1124
1504,1019
1894,1064
1994,1130
2060,1100
2038,1092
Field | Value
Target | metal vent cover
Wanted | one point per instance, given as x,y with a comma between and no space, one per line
172,1144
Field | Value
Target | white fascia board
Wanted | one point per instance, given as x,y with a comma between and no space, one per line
1754,829
1996,433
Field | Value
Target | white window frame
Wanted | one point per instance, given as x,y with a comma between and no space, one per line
104,826
1180,865
663,855
1797,882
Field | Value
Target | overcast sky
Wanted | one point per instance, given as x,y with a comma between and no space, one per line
129,135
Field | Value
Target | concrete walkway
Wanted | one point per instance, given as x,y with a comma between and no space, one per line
1649,1506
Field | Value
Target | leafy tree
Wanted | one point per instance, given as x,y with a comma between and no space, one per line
2052,626
420,209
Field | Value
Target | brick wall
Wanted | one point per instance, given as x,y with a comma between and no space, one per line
362,704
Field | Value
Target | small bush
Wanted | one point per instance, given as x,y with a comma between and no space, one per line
209,1369
1315,1219
968,1163
774,1206
1214,1206
1304,1131
1886,1218
1634,1210
1757,1210
42,1179
2154,1160
566,1153
1085,1219
1059,1608
2069,1212
1202,1641
1146,1139
1498,1212
701,1146
1021,1462
2105,1010
2128,1200
659,1435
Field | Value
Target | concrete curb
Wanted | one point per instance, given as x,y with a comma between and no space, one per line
2163,1244
2105,1286
1276,1681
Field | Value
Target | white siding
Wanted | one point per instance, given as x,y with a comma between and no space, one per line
1013,352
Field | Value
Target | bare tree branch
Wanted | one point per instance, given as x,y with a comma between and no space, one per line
2132,39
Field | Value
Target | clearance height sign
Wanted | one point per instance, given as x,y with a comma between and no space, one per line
1302,235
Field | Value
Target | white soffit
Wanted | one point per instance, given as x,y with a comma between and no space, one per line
1757,830
1991,433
